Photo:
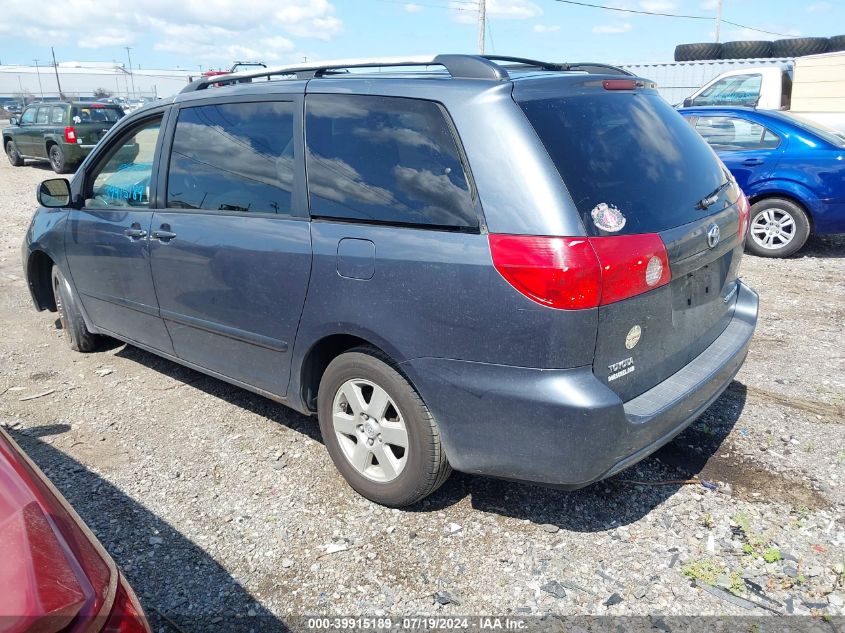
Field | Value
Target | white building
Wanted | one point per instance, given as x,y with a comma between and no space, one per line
81,79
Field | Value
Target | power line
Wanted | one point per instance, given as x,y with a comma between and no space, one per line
669,15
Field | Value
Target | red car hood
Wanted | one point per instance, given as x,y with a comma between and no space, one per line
52,569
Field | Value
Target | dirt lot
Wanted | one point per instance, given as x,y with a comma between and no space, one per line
219,503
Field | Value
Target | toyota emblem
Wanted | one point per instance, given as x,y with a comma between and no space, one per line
713,235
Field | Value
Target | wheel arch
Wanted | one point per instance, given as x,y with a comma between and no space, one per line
39,269
792,197
321,352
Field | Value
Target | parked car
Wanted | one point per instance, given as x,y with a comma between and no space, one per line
792,170
448,273
55,575
61,133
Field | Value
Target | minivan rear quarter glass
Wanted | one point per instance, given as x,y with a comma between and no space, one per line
629,150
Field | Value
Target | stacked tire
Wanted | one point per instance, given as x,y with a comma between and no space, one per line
759,49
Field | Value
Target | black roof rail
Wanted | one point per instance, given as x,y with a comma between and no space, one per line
525,62
458,66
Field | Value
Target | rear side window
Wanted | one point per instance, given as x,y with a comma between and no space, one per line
233,157
630,152
58,115
732,134
385,159
96,114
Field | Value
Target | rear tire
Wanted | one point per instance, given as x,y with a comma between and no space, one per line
698,51
13,154
364,438
78,336
777,228
57,159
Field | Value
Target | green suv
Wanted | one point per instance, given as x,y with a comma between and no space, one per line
62,133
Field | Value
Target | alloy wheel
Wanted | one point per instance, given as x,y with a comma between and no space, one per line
370,430
773,228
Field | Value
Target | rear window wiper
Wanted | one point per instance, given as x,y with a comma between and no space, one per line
711,199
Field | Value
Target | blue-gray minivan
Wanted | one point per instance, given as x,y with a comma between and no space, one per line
500,266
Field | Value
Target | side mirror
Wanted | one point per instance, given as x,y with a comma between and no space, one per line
688,102
54,193
13,120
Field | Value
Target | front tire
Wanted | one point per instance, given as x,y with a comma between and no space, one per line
378,431
13,154
78,336
778,228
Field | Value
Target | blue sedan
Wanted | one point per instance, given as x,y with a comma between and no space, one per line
792,171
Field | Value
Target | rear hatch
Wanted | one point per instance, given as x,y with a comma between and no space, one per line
91,121
634,166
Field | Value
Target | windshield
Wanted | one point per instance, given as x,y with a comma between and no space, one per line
837,139
96,114
626,154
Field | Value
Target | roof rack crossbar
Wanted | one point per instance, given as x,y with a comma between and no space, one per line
458,66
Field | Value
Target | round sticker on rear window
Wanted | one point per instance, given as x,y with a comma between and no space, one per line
607,217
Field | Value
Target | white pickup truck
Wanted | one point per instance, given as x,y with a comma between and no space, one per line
814,88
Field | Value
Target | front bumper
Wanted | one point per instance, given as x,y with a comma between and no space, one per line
563,427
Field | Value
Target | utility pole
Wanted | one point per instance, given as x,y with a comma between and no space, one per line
718,18
129,48
38,72
482,25
56,68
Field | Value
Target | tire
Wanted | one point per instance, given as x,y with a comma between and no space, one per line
799,46
349,387
57,159
771,219
836,43
746,49
13,154
695,52
78,336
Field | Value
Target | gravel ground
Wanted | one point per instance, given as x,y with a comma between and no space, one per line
219,503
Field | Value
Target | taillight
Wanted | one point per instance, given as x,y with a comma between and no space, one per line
70,134
126,615
744,209
573,273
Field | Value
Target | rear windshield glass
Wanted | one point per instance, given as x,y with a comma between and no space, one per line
627,159
96,114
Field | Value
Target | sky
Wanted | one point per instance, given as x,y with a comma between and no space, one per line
206,34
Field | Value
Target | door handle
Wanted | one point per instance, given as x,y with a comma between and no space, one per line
751,162
163,233
135,232
164,236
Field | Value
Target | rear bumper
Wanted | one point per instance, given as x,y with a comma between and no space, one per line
563,427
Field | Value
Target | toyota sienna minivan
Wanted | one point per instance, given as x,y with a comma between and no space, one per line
500,266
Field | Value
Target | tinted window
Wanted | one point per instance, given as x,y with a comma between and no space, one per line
628,151
57,117
731,133
28,115
96,114
233,157
123,180
385,159
736,90
43,116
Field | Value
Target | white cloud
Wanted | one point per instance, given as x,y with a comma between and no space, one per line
623,27
709,5
658,5
497,9
413,8
211,30
546,28
819,7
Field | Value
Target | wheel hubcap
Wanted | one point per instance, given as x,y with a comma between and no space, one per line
773,228
60,308
370,430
